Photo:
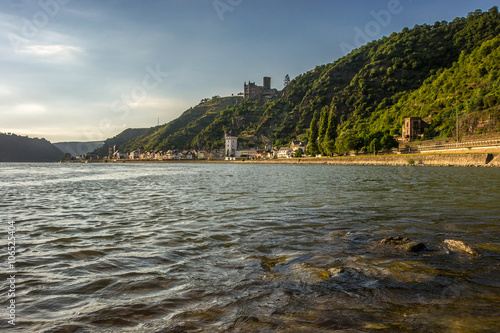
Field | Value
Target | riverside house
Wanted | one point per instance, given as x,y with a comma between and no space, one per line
298,145
285,152
118,155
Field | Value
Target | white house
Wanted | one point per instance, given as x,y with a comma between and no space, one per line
284,152
133,155
298,145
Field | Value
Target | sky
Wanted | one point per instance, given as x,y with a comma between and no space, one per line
85,70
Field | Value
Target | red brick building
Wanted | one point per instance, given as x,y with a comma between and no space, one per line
413,127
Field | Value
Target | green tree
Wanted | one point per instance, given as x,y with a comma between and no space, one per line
388,141
313,136
286,82
346,142
323,126
331,132
298,153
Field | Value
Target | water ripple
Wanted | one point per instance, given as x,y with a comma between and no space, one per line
251,248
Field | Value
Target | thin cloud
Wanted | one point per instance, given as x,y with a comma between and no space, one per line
51,50
26,109
6,91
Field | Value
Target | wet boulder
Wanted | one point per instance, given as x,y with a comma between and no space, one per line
307,273
459,246
404,243
297,269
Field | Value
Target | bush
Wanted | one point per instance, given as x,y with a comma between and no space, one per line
411,161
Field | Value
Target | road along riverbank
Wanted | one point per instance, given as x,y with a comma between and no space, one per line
433,159
474,160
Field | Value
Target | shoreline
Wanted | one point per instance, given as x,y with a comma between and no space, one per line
432,159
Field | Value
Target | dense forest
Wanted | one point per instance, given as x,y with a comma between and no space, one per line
14,148
431,71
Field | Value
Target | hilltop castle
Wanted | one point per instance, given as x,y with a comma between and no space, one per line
252,90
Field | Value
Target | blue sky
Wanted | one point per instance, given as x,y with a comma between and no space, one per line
84,70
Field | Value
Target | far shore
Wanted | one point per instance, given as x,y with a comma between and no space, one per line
473,159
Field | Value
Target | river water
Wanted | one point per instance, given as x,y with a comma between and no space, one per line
250,248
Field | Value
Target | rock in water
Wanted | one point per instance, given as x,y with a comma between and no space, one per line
308,274
456,245
334,271
404,243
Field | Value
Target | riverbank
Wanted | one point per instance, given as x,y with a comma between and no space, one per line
434,159
470,160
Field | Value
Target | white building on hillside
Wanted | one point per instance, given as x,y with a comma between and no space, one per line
231,144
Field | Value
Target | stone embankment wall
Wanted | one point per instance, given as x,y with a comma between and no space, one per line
486,160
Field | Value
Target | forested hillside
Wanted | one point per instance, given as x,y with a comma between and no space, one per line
180,133
14,148
470,88
431,71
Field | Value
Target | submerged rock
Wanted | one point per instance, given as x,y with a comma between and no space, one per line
268,263
340,234
308,274
297,269
456,245
404,243
334,271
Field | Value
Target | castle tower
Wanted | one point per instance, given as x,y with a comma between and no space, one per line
267,83
250,90
231,144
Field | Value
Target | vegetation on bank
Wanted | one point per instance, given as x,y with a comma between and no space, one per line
358,102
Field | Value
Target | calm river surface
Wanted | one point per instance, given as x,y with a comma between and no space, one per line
250,248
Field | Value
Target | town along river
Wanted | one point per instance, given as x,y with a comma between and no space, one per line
251,248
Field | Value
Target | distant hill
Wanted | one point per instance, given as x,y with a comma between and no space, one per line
431,71
121,139
78,148
14,148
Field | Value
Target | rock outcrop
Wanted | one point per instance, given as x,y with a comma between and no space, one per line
459,246
404,243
